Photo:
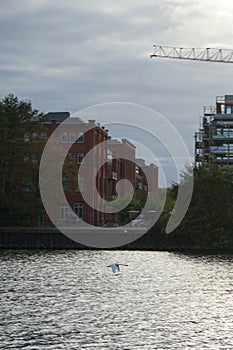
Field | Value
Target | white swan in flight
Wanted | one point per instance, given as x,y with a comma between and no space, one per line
116,267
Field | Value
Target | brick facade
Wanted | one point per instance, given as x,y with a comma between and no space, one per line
111,160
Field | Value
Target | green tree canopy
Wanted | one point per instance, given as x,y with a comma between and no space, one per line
208,222
21,148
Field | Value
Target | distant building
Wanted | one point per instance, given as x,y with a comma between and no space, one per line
146,175
79,138
214,141
118,162
121,164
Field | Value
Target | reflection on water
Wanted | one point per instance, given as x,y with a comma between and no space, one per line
71,300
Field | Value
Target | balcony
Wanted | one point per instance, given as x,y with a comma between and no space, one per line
224,122
224,160
112,175
223,137
209,110
219,150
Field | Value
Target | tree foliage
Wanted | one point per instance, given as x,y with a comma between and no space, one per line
21,148
22,145
208,222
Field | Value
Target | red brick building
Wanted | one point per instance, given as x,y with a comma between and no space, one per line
111,160
146,176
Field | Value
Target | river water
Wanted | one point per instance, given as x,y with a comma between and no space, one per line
72,300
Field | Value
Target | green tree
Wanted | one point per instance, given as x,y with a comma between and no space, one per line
21,148
208,221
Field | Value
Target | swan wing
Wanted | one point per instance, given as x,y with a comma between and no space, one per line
113,267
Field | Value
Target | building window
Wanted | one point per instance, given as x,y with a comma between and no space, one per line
44,134
78,209
64,210
64,137
27,185
137,169
109,155
80,157
26,159
80,137
65,182
72,137
80,182
26,137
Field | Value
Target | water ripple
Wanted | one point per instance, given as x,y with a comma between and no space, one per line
71,300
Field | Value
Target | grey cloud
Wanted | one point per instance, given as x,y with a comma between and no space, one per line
67,55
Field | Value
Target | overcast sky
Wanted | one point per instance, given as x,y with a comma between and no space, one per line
66,55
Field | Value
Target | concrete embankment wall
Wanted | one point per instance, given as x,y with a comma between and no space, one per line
51,238
35,238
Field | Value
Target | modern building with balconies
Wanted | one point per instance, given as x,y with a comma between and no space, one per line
214,141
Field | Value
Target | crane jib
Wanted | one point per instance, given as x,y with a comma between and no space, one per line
195,54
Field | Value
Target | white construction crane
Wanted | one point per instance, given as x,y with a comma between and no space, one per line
195,54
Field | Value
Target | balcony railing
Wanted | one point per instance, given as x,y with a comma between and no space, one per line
222,137
220,149
209,110
224,160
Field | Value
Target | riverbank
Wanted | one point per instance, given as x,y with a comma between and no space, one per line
35,238
52,238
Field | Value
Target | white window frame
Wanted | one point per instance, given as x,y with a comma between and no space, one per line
72,137
78,209
80,138
80,158
64,210
64,137
80,183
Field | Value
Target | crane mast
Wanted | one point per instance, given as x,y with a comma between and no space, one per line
195,54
